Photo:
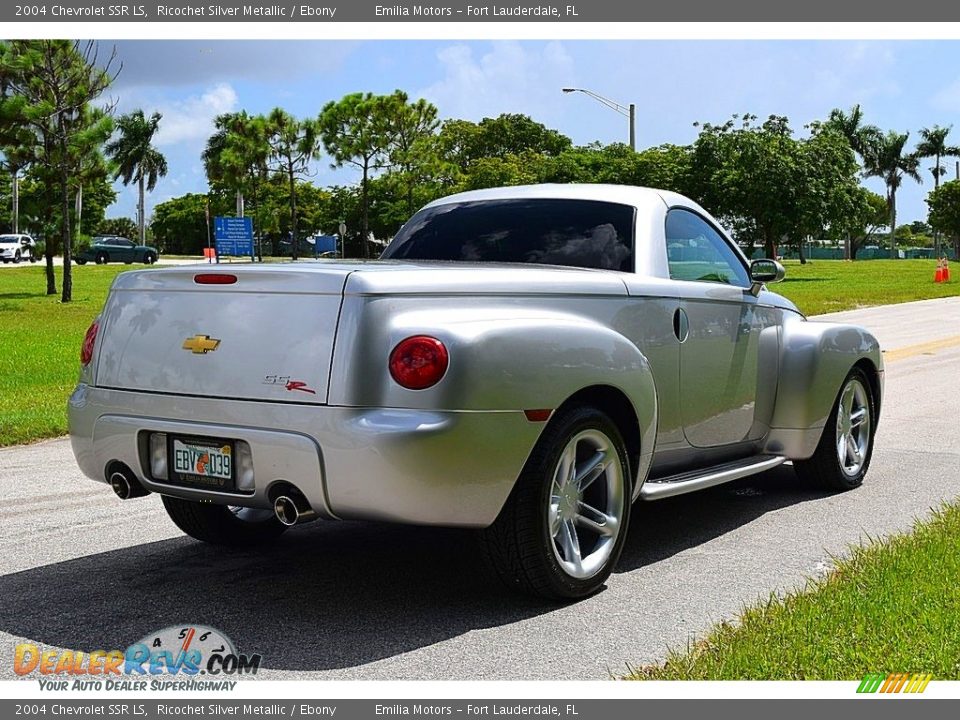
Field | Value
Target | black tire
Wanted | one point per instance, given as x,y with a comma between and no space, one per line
16,258
102,258
33,258
520,545
221,525
81,261
824,469
149,259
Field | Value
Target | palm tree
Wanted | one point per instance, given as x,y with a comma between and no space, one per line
884,158
860,137
236,158
136,159
851,126
933,144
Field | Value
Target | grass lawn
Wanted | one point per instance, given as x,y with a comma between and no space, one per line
823,286
891,607
40,338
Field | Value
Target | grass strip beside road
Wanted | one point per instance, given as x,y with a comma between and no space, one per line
824,286
40,338
40,342
892,606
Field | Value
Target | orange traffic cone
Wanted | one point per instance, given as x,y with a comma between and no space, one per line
938,275
946,271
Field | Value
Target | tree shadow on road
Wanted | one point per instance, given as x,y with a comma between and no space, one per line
334,595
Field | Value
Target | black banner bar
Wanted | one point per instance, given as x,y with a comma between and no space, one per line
322,11
152,709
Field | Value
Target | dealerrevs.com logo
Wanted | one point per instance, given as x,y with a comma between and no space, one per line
180,657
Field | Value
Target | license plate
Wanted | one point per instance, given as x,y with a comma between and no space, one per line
202,462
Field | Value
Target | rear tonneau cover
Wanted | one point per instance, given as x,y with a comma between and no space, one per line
268,336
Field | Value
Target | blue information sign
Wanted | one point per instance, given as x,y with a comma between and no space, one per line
325,243
234,236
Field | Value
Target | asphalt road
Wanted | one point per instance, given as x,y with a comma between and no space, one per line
80,569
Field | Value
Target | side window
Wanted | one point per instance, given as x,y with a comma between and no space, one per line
695,251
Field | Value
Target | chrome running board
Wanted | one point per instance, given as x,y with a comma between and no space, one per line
707,477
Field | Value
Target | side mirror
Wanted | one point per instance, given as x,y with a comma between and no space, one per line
764,271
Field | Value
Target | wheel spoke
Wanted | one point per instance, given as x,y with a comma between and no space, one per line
596,521
554,517
857,417
592,470
567,466
853,449
571,545
847,401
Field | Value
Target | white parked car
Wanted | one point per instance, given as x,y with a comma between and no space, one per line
15,247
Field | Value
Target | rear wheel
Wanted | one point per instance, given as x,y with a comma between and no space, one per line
81,261
562,529
222,524
843,455
102,258
149,258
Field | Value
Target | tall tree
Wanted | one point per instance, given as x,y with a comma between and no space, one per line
933,144
852,127
136,159
293,144
860,136
50,85
944,203
355,131
410,132
235,159
886,158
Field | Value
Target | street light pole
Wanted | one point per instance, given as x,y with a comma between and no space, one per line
628,111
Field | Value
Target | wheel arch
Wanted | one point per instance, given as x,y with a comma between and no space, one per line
873,374
615,403
816,359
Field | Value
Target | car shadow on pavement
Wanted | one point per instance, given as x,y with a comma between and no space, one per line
659,530
333,595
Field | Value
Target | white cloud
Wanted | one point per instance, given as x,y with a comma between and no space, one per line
192,118
509,78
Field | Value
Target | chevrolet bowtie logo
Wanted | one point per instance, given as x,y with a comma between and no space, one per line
201,344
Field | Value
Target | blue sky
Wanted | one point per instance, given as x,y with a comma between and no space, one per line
901,85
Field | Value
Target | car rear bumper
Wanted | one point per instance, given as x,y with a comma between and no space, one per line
416,466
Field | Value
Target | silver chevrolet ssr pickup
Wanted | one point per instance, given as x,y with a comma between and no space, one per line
528,361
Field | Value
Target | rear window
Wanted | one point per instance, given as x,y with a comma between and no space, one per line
576,233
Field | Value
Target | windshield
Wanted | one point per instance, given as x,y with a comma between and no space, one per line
576,233
9,238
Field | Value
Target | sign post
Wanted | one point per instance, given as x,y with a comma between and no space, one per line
234,236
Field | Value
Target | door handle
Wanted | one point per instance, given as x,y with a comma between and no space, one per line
681,324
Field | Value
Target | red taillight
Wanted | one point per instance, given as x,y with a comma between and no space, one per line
418,362
214,279
86,350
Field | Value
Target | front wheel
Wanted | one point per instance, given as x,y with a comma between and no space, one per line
149,259
102,258
562,529
843,455
16,257
222,524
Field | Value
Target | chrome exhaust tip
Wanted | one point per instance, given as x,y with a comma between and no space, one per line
292,508
286,510
125,486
